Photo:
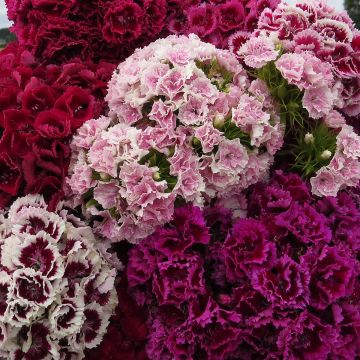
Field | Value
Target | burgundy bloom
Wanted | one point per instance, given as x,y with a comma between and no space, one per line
40,256
231,15
307,337
37,96
78,104
202,19
284,284
53,124
247,246
40,345
19,128
332,274
10,174
123,22
33,287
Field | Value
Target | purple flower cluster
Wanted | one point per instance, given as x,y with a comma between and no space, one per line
277,285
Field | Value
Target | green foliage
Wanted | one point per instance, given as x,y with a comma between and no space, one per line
160,160
308,153
218,75
288,96
5,37
353,8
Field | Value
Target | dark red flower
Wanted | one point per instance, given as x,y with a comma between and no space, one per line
37,96
123,21
10,174
78,104
53,124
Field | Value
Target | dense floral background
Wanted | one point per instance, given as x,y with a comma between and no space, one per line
179,180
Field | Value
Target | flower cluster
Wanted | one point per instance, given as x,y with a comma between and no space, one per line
113,29
295,50
40,108
278,284
57,292
184,121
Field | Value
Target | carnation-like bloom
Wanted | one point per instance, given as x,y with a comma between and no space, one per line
306,57
57,290
185,121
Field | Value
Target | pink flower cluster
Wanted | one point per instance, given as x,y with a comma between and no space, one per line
304,42
344,167
184,121
320,30
57,292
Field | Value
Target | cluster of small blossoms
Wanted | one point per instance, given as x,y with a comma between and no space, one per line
185,122
57,292
295,51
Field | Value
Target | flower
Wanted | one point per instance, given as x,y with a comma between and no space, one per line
332,274
52,271
258,51
154,151
305,223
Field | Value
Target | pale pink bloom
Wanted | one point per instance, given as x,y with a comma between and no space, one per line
260,90
128,114
258,51
162,114
316,72
276,140
152,74
221,105
291,67
203,87
334,119
81,179
326,182
231,155
234,95
179,55
182,160
89,131
159,138
194,111
347,168
172,83
102,157
318,101
208,136
348,142
106,194
249,112
190,185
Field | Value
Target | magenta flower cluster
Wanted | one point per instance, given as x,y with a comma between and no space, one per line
185,121
277,284
57,291
112,29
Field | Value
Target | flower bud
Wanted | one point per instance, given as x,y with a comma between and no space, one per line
104,176
325,155
309,138
219,122
157,176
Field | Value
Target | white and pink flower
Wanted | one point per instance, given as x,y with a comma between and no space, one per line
51,274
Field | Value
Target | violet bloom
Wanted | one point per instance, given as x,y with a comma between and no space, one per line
307,337
305,224
284,284
246,246
332,274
